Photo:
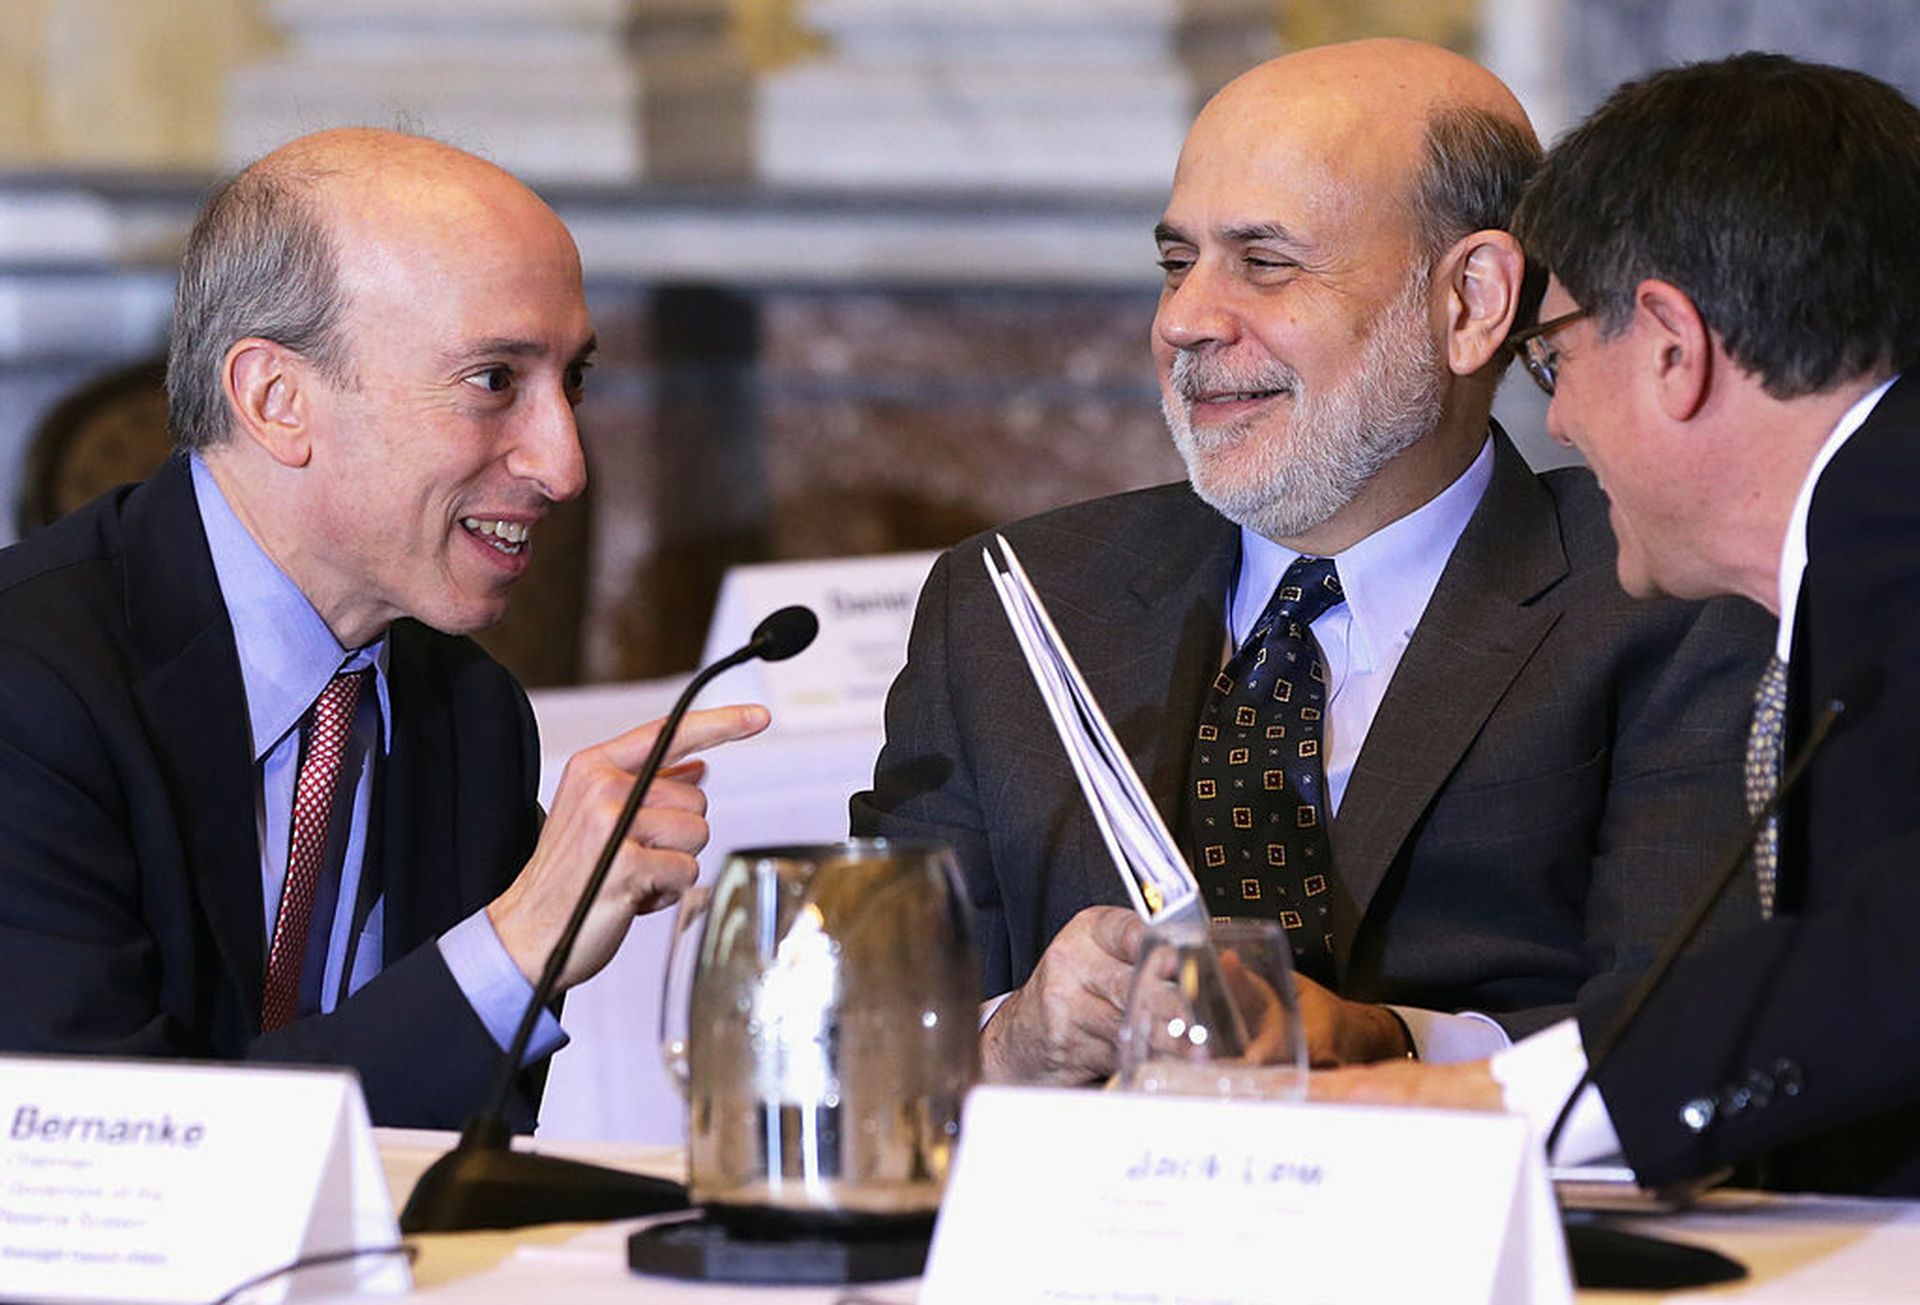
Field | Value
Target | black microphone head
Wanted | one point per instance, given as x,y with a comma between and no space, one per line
786,632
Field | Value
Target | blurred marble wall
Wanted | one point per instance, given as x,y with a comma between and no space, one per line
1608,41
121,83
870,274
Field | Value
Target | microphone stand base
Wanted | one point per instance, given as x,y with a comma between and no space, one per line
483,1183
1604,1257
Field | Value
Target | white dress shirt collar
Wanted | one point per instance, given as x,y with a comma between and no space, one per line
1793,550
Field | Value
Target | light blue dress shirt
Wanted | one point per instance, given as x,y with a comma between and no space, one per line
287,656
1388,578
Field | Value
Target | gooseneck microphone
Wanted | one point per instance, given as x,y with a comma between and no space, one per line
1609,1257
483,1182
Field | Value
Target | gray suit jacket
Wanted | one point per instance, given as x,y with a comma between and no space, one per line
1552,770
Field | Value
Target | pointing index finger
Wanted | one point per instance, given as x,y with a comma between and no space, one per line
700,730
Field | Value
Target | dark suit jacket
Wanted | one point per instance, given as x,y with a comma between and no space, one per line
1534,798
130,896
1804,1033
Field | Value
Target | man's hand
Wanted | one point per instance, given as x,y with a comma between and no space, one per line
1059,1027
1464,1085
654,865
1342,1032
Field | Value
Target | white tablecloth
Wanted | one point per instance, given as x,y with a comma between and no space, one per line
1798,1249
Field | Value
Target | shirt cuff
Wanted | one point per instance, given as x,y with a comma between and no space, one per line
1443,1039
990,1006
495,988
1535,1075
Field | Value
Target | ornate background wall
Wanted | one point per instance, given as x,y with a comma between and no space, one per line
870,274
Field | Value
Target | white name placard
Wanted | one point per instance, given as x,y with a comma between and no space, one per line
1108,1197
138,1180
865,606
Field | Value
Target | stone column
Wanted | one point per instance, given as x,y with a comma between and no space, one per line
1043,94
1523,43
545,88
697,76
1562,57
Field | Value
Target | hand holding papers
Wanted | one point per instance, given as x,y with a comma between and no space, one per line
1157,878
1209,1015
1171,1195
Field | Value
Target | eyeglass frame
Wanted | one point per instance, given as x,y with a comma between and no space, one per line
1539,358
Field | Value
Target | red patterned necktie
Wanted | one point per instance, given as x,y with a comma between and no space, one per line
1258,807
323,743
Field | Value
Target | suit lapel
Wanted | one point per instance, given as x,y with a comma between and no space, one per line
418,841
1183,604
190,693
1792,816
1478,630
1147,658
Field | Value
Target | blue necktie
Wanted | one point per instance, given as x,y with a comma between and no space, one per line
1258,784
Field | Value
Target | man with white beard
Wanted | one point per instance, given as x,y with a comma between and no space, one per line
1376,673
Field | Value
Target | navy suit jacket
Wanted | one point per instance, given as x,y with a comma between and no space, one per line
130,894
1538,794
1799,1040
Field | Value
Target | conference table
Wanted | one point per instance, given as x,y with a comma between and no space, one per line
792,786
1798,1248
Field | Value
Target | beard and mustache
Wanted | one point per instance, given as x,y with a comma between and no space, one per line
1336,439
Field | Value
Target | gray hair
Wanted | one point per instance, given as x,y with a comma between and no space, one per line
1475,167
260,261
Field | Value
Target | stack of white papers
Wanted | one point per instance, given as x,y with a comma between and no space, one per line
1156,876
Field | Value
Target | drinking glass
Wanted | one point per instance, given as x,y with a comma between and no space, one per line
1212,1011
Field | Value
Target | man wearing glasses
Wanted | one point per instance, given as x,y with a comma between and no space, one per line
1535,349
1489,776
1733,309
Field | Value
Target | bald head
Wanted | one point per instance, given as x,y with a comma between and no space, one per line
1432,136
367,180
1405,79
278,251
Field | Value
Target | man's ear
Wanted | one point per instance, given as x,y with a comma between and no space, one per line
1676,345
1482,272
268,390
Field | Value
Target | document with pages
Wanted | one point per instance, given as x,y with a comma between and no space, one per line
1157,877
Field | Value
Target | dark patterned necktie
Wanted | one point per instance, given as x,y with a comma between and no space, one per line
1766,739
316,789
1258,783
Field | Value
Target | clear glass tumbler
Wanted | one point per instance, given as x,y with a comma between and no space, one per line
1212,1012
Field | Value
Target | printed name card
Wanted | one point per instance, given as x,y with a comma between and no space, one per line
865,606
135,1180
1108,1197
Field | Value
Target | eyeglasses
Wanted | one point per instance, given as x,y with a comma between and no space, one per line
1542,359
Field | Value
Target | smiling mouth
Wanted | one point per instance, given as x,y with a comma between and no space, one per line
1239,396
509,537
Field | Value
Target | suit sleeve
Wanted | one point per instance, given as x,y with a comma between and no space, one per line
78,959
1675,808
924,785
